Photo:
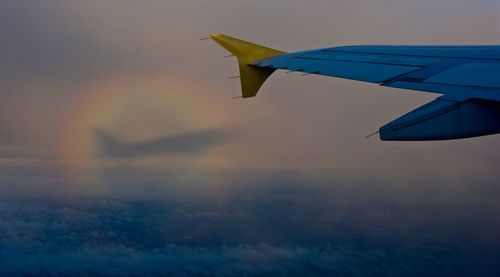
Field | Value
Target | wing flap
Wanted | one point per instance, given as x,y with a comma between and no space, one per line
477,74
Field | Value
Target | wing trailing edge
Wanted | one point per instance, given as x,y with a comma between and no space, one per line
252,77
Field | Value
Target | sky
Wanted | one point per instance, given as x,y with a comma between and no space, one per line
115,115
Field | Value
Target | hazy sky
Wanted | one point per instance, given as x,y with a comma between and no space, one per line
138,70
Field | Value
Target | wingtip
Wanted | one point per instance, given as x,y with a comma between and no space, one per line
214,35
252,77
217,36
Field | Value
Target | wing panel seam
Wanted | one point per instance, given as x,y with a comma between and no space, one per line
333,60
410,55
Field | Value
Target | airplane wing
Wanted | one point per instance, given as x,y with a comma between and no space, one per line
468,77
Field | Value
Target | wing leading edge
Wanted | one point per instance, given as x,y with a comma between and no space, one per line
468,77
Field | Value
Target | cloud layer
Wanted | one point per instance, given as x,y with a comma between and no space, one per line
173,260
269,225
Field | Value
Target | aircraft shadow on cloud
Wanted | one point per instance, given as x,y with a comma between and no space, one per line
179,144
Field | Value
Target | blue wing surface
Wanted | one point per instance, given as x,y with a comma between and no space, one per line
468,77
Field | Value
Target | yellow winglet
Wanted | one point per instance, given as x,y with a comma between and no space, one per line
252,77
